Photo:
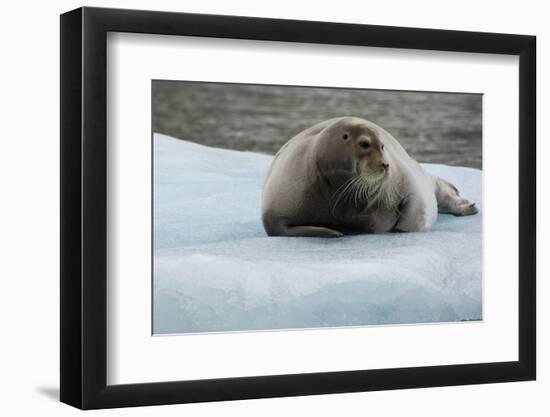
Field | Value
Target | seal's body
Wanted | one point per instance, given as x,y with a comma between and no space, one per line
348,175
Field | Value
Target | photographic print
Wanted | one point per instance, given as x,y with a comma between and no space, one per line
286,207
346,225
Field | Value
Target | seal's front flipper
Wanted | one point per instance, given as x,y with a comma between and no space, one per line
311,231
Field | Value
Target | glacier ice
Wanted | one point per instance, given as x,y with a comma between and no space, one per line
216,270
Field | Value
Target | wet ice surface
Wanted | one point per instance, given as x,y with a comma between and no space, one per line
216,270
438,128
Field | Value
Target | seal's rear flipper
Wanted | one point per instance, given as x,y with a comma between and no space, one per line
464,209
449,200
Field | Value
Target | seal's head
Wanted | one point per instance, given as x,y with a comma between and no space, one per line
352,144
352,151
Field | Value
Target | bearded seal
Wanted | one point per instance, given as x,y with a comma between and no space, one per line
348,175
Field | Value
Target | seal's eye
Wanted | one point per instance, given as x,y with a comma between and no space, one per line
345,136
364,144
382,147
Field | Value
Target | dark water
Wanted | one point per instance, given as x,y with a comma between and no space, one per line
433,127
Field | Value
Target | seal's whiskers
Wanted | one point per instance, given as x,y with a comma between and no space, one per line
344,189
381,193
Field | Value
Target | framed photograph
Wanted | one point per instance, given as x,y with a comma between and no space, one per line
258,208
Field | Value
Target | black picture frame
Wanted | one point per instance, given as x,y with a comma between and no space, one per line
84,207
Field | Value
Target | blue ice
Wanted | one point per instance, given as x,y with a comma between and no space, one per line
216,270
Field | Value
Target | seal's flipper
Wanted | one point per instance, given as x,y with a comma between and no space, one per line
465,209
310,231
449,200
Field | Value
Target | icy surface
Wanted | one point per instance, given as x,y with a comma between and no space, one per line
216,270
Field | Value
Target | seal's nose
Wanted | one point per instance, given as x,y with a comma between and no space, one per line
385,165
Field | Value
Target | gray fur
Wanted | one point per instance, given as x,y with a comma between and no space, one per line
333,179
